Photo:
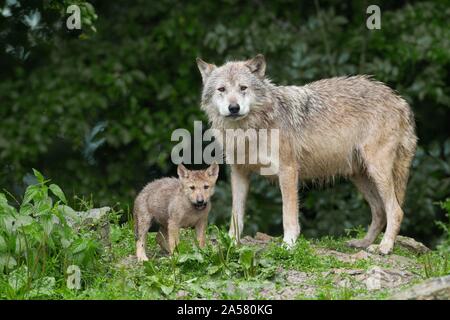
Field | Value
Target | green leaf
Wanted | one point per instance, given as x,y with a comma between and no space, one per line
213,269
47,224
246,257
31,193
56,190
7,261
42,287
23,220
166,290
3,245
18,278
40,178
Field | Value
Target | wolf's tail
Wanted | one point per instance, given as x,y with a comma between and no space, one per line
402,164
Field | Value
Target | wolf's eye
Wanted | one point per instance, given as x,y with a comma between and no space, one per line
221,89
192,187
243,88
206,187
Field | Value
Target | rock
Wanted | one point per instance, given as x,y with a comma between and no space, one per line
432,289
377,278
344,257
182,294
294,277
97,218
263,237
346,283
129,261
411,244
361,255
247,240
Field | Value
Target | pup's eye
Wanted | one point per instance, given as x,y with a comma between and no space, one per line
221,89
206,187
243,88
192,187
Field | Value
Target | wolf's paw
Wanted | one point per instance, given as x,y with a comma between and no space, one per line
289,240
358,243
142,258
382,248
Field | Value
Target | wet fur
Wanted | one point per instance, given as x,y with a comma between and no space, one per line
352,126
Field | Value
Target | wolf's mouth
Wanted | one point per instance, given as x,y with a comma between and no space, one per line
236,116
200,206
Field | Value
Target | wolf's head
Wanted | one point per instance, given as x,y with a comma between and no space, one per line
198,185
235,89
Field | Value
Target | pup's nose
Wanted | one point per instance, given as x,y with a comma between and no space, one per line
234,108
200,202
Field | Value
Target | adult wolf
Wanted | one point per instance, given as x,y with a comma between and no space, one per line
352,126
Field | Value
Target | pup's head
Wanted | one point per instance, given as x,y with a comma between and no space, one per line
198,185
233,90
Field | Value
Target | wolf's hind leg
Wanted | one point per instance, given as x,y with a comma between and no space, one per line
162,238
370,193
142,222
383,179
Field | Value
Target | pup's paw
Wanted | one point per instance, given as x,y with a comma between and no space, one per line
142,258
358,243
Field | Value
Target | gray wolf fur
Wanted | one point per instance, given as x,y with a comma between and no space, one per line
351,126
174,203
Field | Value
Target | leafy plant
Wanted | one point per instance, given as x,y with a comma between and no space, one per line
37,242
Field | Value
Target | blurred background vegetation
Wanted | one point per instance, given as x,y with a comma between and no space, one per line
93,109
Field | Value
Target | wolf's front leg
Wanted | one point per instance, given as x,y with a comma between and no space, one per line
288,178
239,190
173,233
200,229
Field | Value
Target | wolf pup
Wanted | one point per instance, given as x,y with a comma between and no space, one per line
174,203
350,126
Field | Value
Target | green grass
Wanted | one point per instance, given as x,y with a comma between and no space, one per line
35,252
220,271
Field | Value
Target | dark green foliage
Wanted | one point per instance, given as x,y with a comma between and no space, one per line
37,245
96,112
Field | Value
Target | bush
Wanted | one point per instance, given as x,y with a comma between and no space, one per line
37,245
96,112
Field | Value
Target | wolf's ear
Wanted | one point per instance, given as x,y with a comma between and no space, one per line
257,65
205,68
183,173
213,170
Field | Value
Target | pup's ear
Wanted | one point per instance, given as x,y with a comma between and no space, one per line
213,170
205,68
183,173
257,65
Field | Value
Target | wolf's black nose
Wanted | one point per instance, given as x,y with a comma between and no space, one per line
200,202
234,108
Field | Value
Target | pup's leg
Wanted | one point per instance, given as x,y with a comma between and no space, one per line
288,178
239,190
370,193
142,222
162,238
200,229
173,233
